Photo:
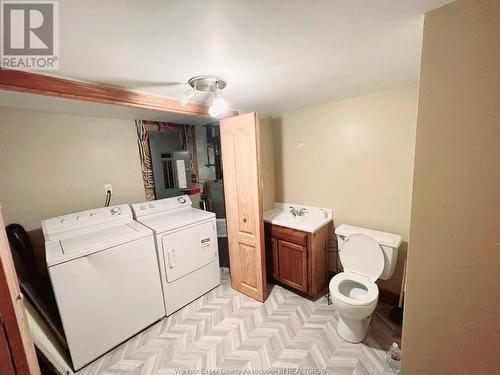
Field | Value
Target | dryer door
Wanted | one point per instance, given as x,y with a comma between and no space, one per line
187,249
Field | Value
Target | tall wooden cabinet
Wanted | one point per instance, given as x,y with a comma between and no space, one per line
243,197
297,259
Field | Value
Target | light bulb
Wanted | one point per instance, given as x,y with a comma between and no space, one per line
212,112
218,107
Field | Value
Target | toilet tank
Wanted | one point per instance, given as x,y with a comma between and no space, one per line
388,242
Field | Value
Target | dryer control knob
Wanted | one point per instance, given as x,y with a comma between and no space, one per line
116,211
181,200
143,207
151,206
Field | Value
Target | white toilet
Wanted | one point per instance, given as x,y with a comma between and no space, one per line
366,255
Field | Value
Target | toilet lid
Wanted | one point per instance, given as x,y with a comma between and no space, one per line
363,255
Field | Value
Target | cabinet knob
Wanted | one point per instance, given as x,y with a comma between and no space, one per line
244,219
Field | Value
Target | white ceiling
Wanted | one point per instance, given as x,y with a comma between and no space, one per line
276,55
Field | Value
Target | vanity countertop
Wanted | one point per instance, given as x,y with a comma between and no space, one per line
312,220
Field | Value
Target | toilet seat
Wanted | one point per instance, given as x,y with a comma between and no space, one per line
363,255
355,299
363,262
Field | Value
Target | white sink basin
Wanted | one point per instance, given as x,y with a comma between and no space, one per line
313,218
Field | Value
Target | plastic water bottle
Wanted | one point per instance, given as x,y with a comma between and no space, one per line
394,358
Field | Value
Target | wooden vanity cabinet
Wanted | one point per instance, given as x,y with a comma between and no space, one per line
296,259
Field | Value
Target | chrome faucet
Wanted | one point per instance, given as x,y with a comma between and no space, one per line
297,212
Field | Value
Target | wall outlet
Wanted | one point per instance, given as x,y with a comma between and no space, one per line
108,187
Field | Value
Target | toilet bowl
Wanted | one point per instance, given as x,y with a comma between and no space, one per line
365,256
355,298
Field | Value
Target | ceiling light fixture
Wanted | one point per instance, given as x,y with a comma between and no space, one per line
214,85
183,99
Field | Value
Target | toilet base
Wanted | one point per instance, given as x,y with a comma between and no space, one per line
353,331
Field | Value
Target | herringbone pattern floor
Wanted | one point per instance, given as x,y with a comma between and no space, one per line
227,330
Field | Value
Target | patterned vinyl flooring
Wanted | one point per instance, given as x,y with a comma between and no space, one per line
226,330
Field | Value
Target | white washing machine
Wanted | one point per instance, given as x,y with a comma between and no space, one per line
186,241
105,275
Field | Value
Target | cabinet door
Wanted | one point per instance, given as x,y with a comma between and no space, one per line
292,265
243,196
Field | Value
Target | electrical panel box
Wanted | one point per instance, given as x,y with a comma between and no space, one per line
171,166
182,168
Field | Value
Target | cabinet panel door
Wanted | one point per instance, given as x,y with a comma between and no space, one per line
243,196
292,265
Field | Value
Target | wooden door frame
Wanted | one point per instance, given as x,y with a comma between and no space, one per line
13,314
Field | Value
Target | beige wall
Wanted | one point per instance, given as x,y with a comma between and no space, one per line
354,156
53,164
267,163
452,312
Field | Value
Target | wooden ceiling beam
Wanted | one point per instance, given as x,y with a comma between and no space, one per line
33,83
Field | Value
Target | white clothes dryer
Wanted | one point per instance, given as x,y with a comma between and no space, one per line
186,242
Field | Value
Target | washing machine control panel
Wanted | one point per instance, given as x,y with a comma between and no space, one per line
83,219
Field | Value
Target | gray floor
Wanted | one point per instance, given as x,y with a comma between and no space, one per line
225,329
